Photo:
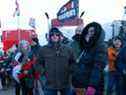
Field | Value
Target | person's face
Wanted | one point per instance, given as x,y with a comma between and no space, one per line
55,37
78,32
25,47
117,43
91,32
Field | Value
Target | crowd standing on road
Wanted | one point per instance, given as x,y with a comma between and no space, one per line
85,65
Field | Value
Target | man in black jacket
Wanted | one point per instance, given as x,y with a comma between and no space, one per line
57,60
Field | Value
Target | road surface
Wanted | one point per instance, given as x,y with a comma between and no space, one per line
9,91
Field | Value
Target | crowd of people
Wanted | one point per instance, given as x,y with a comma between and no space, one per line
85,65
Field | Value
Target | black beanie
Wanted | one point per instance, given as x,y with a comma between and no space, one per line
54,31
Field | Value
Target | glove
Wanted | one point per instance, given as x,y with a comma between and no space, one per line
90,91
124,72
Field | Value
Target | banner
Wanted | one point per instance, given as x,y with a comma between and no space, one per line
69,11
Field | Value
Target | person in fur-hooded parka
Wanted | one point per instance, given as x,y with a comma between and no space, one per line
91,60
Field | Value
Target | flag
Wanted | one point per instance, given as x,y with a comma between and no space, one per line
32,22
47,16
17,9
69,11
0,23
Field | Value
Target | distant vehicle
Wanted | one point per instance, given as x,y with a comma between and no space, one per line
10,37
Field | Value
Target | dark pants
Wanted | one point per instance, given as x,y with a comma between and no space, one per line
3,79
100,88
17,88
26,90
123,85
114,84
66,91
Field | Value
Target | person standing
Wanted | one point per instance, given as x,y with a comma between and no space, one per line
38,85
25,60
75,45
58,62
76,41
121,68
114,76
35,45
91,61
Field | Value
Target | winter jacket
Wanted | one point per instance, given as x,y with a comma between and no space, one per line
92,61
75,45
27,67
121,61
121,68
58,64
27,79
35,50
26,60
5,63
112,55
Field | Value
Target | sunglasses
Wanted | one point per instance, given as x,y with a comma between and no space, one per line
56,34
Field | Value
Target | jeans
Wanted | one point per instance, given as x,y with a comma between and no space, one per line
114,82
65,91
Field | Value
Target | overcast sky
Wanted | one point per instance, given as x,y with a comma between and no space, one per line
102,11
95,9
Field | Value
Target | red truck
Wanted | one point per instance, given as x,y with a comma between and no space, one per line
10,37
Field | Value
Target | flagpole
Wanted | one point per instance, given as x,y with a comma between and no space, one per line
17,14
18,28
82,14
48,20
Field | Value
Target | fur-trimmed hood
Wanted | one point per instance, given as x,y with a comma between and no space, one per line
96,39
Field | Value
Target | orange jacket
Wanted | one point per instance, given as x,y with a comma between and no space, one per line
112,54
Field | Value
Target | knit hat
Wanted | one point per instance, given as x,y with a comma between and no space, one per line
54,31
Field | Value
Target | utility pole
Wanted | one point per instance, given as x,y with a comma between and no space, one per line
48,20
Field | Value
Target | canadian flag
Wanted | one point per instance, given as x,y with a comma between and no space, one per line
69,10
